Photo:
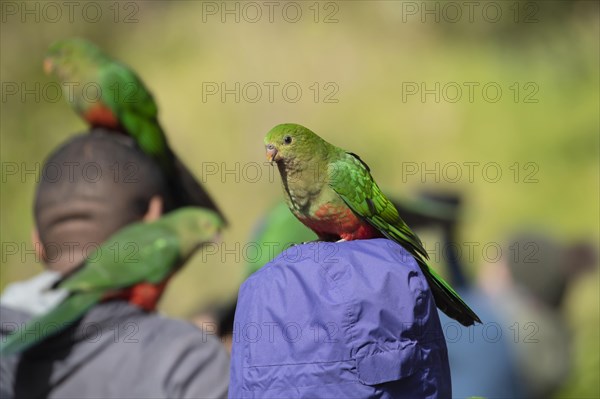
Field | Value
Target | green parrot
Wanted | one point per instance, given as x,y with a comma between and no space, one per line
332,192
160,248
109,94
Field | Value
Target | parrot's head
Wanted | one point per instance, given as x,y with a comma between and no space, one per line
195,226
292,143
69,56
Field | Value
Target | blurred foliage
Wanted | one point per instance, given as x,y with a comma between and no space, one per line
369,53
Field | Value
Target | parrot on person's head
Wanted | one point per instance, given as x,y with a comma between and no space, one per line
147,255
333,193
106,93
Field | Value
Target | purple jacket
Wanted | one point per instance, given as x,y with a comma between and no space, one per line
339,320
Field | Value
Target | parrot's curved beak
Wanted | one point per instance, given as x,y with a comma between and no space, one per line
271,153
48,66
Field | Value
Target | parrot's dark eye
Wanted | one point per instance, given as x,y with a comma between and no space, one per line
287,139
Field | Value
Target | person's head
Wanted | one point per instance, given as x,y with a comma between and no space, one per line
89,188
218,319
545,267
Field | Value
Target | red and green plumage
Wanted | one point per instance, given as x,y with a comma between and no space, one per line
347,225
162,247
99,114
333,193
108,94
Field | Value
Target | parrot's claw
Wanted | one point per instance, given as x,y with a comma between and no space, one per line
304,242
310,242
341,240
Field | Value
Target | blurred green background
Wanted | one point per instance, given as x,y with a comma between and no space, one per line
368,53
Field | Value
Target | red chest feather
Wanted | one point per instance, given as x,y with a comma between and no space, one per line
143,295
331,222
100,115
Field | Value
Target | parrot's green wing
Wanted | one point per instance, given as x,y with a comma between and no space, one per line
127,97
126,91
139,253
351,179
50,323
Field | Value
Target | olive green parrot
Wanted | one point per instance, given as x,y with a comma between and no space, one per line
332,192
148,254
107,93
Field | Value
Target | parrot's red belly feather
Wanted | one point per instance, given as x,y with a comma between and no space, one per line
99,114
332,221
143,295
146,295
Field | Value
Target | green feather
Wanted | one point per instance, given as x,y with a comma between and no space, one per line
140,252
127,97
351,179
42,327
446,298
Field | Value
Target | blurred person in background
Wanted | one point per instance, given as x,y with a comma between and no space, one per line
528,287
481,361
217,319
91,187
523,347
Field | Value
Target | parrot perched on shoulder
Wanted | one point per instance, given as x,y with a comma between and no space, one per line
279,229
160,249
333,193
109,94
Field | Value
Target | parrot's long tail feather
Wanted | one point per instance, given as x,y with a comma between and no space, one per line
446,299
189,192
42,327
